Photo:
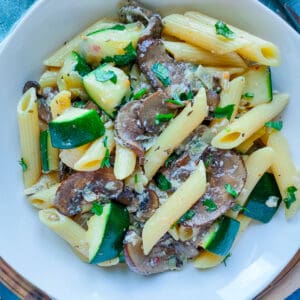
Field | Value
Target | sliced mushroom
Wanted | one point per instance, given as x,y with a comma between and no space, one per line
166,255
148,202
33,84
127,196
84,187
64,171
129,128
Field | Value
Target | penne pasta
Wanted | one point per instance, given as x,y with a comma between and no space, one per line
29,137
44,198
241,129
253,48
233,71
245,146
285,172
189,53
60,103
125,160
176,205
189,119
256,165
48,79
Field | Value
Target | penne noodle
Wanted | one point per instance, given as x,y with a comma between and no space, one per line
60,103
29,137
241,129
233,71
44,198
245,146
256,49
125,161
176,205
48,79
189,53
284,170
181,127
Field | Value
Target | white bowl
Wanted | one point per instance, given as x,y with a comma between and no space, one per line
43,258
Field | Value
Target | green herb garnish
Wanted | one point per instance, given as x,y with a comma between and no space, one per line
223,30
162,73
105,141
239,208
81,67
187,216
170,159
97,209
230,190
23,164
139,94
105,163
224,112
225,259
248,95
79,104
163,118
162,182
136,178
177,102
277,125
209,204
119,27
207,162
103,76
124,59
291,197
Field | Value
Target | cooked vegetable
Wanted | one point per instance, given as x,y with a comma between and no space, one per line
277,125
49,155
223,30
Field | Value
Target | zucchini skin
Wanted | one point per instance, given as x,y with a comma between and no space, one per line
44,150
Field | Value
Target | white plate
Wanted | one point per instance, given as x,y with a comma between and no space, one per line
43,258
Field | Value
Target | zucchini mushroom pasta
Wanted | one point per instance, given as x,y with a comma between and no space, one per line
154,141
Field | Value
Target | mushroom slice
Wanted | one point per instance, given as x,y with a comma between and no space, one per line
128,127
148,202
83,187
166,255
223,167
151,106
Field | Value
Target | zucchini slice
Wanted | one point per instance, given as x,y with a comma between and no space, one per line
49,155
106,232
221,236
264,200
258,86
75,127
107,93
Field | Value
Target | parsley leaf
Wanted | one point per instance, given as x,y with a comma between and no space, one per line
23,164
136,178
187,216
223,29
139,94
207,162
97,209
230,190
79,104
225,259
291,197
239,208
163,118
222,112
105,141
103,76
105,163
248,95
124,59
170,159
277,125
162,182
119,27
162,73
81,67
209,204
177,102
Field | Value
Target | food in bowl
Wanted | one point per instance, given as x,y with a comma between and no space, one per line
154,141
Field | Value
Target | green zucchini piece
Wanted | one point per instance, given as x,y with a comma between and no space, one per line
49,155
75,127
258,85
264,200
106,232
221,236
107,92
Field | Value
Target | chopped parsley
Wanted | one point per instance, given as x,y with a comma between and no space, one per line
277,125
163,118
105,163
230,190
125,59
118,27
223,30
248,95
139,94
170,159
187,216
105,141
209,204
162,182
225,259
186,96
177,102
23,164
162,73
239,208
224,112
136,178
81,67
291,197
79,104
208,161
97,209
103,76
